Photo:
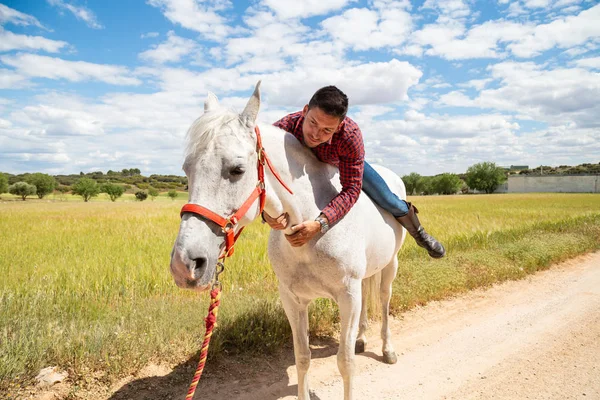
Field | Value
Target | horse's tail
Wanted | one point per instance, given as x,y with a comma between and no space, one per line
371,290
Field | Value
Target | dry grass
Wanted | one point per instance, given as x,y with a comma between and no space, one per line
86,286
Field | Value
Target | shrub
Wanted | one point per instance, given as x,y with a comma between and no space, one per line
113,191
447,184
141,195
486,176
22,189
414,183
44,184
86,188
172,194
153,193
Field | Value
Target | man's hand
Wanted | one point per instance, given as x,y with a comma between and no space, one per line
278,223
303,233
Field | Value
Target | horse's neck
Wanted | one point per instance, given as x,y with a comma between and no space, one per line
291,160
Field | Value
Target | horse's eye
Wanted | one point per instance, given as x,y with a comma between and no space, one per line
239,170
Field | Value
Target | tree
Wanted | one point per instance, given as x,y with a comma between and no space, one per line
86,188
113,191
414,183
447,184
43,183
141,195
3,183
22,189
172,194
153,193
485,176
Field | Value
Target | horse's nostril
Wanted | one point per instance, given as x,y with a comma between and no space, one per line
200,264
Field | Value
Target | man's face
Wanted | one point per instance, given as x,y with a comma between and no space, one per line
318,127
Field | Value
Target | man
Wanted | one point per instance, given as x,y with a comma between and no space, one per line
335,139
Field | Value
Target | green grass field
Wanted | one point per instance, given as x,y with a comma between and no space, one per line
86,286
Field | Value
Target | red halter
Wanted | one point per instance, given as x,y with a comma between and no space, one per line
228,224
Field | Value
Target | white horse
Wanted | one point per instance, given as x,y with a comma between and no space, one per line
221,168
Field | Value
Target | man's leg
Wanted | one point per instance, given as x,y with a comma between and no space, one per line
376,188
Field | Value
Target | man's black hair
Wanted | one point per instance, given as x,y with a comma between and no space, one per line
331,100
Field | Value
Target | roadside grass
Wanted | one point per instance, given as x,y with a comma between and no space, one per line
86,286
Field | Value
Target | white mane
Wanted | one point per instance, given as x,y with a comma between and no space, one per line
204,129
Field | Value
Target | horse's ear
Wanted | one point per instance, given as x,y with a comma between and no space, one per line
251,111
211,102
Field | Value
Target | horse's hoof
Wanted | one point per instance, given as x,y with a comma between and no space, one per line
390,357
359,347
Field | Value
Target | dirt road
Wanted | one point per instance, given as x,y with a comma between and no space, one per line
538,338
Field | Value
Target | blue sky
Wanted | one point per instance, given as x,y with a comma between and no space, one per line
435,85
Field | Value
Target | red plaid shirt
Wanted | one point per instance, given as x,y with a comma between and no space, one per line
346,151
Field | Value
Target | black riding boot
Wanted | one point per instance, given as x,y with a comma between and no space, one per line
411,223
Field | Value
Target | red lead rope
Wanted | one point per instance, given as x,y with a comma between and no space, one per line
211,322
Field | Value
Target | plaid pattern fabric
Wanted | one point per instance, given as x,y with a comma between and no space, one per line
346,151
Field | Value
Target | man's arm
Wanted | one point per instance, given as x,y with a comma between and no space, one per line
351,166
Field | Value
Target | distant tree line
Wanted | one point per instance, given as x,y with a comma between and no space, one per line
483,177
586,168
113,184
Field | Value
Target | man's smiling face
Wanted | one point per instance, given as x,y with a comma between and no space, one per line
318,126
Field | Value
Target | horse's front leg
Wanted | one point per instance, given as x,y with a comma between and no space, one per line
350,305
297,314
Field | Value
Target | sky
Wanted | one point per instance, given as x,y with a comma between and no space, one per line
435,85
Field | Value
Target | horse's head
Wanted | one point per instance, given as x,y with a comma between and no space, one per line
221,166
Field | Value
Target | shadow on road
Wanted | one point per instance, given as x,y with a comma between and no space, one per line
236,377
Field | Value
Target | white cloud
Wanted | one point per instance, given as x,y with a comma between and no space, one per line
10,15
455,142
271,38
170,51
33,65
201,17
303,9
592,63
372,83
477,84
363,29
563,33
53,121
11,41
536,3
455,99
451,9
451,39
81,13
12,80
558,97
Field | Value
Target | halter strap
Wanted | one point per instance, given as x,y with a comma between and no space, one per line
228,224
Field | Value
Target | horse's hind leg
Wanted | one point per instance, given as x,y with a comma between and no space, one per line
349,303
387,277
297,314
361,339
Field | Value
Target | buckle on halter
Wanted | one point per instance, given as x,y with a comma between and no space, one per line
261,155
230,224
260,185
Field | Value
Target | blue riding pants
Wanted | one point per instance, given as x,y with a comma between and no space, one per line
376,188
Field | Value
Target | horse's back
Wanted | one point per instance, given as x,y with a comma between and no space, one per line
367,235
